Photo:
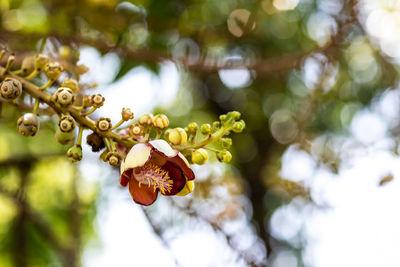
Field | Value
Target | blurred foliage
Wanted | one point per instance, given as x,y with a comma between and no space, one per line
298,71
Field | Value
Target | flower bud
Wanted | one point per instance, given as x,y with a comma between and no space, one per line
103,124
114,158
146,120
223,118
10,88
53,70
205,129
135,130
40,61
66,123
238,126
226,142
216,125
127,114
235,115
74,154
177,136
95,141
192,128
97,100
71,84
28,124
160,121
28,65
87,101
64,138
63,96
224,156
200,156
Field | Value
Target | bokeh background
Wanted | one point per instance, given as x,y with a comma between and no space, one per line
314,178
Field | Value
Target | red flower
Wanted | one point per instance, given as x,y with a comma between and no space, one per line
155,167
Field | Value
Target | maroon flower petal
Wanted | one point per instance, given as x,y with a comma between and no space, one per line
179,163
142,194
125,177
177,177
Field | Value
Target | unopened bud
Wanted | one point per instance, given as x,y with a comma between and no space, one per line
64,138
64,96
28,124
40,61
206,129
10,88
53,70
97,100
224,156
235,115
222,118
160,121
146,120
114,158
28,65
71,84
135,130
74,154
103,124
200,156
192,128
127,114
238,126
226,142
66,123
177,136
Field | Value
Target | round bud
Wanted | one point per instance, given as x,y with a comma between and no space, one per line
205,129
223,118
87,101
224,156
238,126
127,114
160,121
177,136
95,141
28,65
103,124
200,156
146,120
53,70
64,138
135,130
74,154
192,128
28,124
216,125
235,115
97,100
64,96
40,61
10,88
226,142
114,158
66,123
71,84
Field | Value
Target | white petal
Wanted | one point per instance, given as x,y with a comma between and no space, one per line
164,147
137,156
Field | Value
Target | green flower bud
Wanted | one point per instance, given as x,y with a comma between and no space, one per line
177,136
216,125
66,123
74,154
146,120
64,138
200,156
87,101
103,125
160,121
28,65
206,129
53,70
113,158
95,141
226,142
28,124
135,130
192,128
97,100
238,126
224,156
71,84
10,88
127,114
223,118
235,115
64,96
40,61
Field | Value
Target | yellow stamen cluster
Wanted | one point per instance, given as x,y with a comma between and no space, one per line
152,175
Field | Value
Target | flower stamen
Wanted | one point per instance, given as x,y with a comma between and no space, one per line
152,175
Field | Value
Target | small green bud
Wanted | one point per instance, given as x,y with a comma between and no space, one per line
224,156
223,118
200,156
113,158
235,115
40,61
74,154
160,121
206,129
177,136
238,126
64,138
53,70
192,128
146,120
10,88
28,124
95,141
97,100
226,142
71,84
103,125
216,125
127,114
64,96
66,123
28,65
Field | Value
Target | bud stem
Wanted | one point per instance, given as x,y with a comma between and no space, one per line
79,140
36,107
45,86
32,75
118,124
89,112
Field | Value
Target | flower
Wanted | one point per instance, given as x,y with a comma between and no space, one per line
155,167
